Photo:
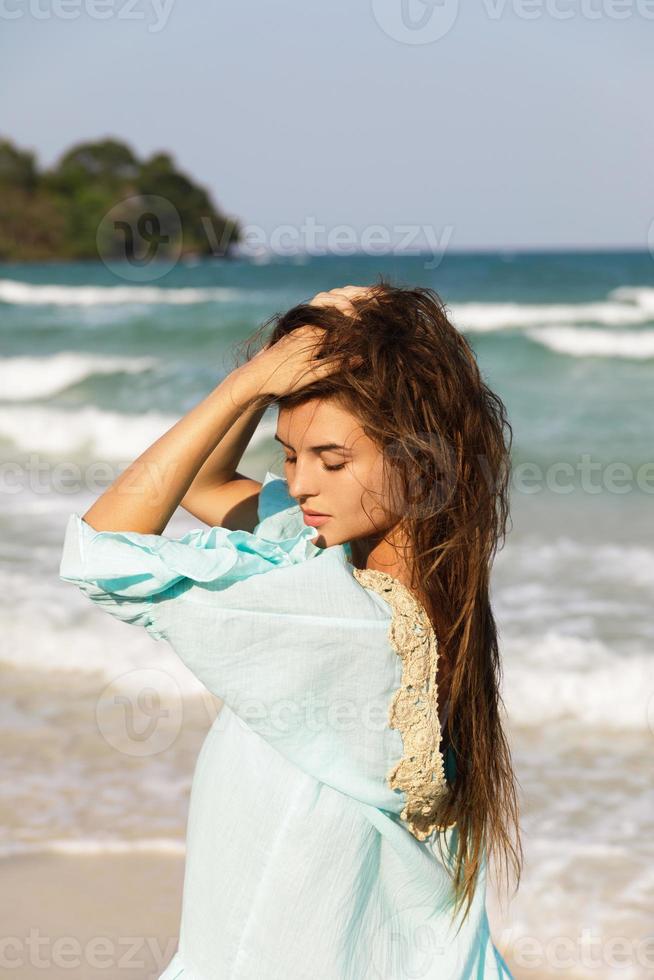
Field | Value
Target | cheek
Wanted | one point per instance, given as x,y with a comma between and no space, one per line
361,499
393,499
386,496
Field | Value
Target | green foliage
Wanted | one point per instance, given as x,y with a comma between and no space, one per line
16,168
96,189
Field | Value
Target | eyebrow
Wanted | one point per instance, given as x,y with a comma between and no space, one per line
317,449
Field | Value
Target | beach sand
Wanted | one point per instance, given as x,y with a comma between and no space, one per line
76,917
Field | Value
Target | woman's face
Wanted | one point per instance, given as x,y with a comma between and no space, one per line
333,467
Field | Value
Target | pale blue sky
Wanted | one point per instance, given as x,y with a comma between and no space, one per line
508,131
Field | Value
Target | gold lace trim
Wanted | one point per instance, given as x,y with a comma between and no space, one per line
414,707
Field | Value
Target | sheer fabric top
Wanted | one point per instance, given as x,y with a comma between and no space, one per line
334,665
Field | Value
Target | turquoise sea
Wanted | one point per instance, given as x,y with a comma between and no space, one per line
94,367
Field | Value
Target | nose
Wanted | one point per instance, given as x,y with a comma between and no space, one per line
301,484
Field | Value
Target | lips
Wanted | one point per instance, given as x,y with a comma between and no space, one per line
314,520
313,513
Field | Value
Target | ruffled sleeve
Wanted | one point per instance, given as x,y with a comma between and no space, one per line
132,575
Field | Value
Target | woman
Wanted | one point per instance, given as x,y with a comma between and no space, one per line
348,795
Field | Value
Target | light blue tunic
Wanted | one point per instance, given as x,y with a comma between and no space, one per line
298,863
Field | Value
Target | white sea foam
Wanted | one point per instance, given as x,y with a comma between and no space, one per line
75,638
575,631
23,378
488,317
557,677
593,342
605,565
641,296
23,293
90,431
587,894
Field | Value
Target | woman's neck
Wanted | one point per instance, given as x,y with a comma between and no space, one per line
385,552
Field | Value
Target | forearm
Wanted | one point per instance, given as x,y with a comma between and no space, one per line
222,463
145,496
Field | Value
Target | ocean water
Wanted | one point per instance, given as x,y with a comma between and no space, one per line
93,368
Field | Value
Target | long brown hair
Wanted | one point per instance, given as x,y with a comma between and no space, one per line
412,380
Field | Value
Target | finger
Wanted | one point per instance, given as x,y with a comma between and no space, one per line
327,297
352,291
349,292
333,298
347,295
340,292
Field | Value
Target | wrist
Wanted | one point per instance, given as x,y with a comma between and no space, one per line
243,387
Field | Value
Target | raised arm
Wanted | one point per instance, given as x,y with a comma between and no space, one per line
145,495
219,494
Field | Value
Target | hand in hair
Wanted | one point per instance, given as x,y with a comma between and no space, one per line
293,362
342,297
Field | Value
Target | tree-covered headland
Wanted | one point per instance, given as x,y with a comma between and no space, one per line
85,205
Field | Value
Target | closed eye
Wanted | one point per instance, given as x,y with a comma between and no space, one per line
326,466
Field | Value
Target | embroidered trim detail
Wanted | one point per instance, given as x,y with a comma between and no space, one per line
414,707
